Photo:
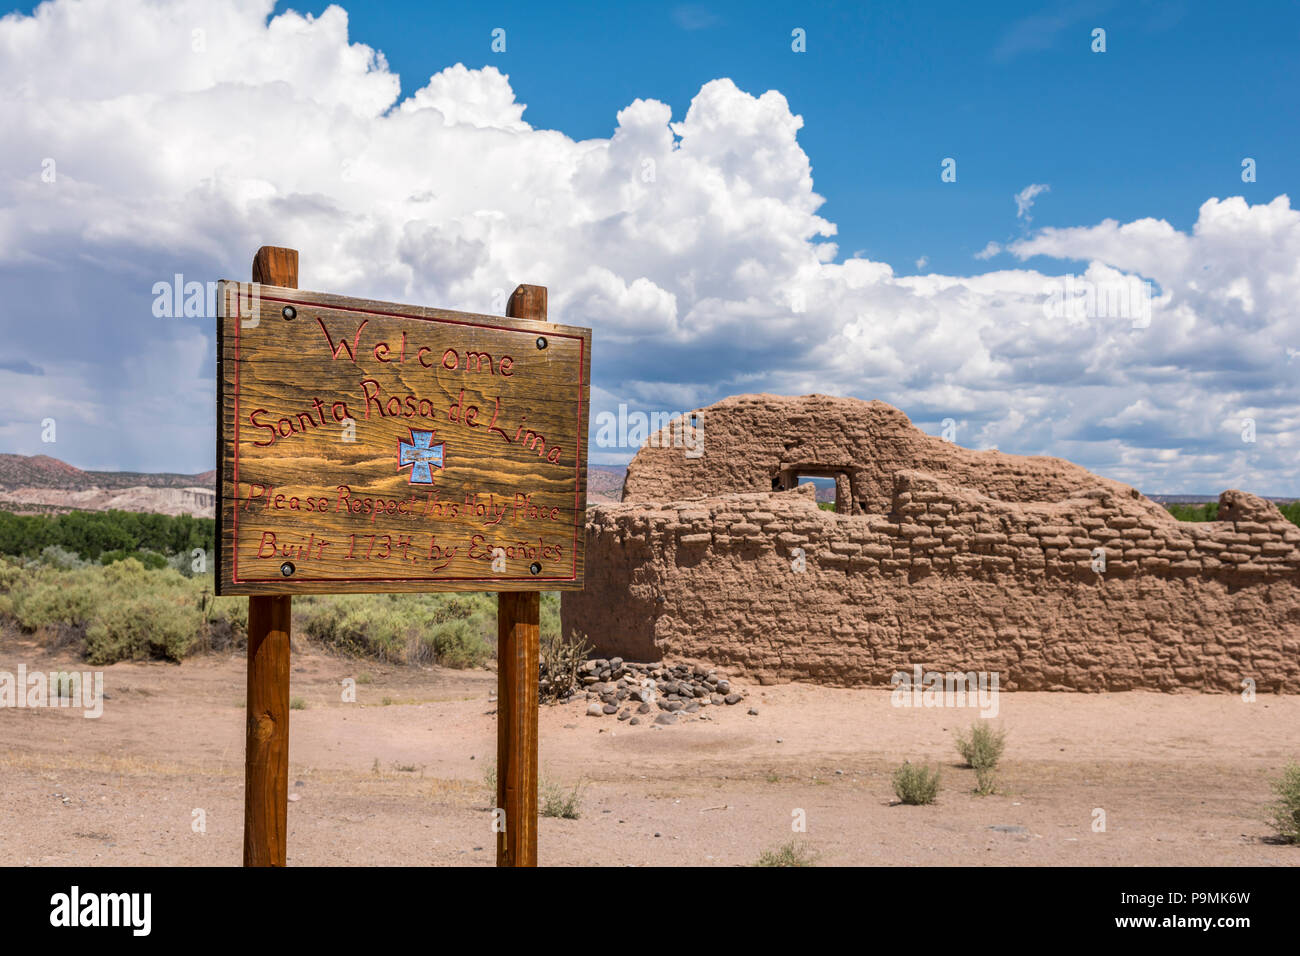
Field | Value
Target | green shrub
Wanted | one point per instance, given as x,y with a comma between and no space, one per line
178,614
49,598
1286,811
982,747
297,703
550,614
788,854
460,644
556,801
232,610
915,785
125,611
55,556
150,625
151,560
11,573
452,629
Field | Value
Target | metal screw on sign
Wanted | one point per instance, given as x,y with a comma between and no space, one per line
287,568
289,313
541,342
535,567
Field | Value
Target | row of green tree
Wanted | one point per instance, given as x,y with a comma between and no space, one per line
92,533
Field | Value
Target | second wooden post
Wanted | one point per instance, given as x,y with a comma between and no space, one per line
518,638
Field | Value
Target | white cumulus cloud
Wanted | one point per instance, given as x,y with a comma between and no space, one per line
691,245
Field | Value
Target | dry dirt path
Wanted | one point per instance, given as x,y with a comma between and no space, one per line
399,777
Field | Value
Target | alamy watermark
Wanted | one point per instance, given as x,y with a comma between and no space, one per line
924,688
1074,297
54,689
127,910
654,430
179,299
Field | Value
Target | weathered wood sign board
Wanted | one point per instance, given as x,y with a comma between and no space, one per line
366,446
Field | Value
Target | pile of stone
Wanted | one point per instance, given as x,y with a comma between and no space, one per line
635,691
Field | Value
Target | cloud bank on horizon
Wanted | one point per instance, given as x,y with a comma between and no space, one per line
139,149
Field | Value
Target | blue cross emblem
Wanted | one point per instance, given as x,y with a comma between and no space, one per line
421,455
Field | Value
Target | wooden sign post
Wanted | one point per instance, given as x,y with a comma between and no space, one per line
518,649
367,446
266,748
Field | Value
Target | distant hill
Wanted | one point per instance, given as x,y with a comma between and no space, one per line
39,484
38,471
605,482
42,471
162,479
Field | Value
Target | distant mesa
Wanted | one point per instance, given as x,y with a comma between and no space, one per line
40,484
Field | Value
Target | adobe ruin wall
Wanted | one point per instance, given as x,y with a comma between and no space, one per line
977,562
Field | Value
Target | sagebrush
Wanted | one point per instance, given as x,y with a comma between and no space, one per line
981,747
137,606
788,854
916,785
1285,814
557,801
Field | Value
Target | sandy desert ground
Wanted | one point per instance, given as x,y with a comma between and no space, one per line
399,777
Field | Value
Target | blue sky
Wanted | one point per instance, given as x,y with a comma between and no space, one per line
1013,91
794,235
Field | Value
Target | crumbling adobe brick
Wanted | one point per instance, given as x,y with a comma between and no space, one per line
954,559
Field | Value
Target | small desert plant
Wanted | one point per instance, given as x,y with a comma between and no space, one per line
556,801
560,658
788,854
985,781
1286,811
297,703
915,785
982,748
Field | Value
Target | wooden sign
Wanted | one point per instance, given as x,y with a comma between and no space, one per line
366,446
